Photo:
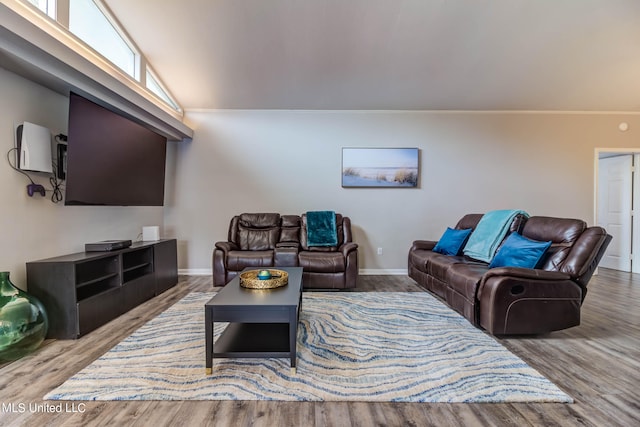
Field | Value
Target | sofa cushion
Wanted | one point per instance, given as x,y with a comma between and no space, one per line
558,230
290,231
518,251
260,220
247,230
452,241
322,262
437,265
422,260
239,260
562,232
290,235
469,221
257,239
465,277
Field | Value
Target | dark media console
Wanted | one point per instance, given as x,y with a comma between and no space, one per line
83,291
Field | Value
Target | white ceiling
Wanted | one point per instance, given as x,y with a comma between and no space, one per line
392,54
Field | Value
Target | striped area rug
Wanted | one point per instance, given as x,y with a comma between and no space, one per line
369,346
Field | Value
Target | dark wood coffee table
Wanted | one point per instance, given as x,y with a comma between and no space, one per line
262,323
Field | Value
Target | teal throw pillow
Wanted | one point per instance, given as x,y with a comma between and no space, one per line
518,251
452,241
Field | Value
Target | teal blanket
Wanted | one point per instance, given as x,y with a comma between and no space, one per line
321,228
489,233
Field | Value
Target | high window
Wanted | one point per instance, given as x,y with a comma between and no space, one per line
47,6
91,22
154,85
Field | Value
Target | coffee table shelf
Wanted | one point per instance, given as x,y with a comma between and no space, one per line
262,323
253,340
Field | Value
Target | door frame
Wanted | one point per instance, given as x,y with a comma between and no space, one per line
635,205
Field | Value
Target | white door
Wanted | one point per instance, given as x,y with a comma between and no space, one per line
614,209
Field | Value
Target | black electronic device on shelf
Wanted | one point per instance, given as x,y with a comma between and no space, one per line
107,245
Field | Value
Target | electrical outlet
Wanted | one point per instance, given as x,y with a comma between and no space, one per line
379,251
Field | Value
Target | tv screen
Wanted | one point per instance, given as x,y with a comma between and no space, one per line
112,160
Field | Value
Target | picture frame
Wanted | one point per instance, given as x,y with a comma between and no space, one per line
380,167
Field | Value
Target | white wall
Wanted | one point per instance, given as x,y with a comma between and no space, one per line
290,162
33,228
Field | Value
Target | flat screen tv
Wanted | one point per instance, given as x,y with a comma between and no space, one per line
112,160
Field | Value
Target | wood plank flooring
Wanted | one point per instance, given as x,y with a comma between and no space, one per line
597,363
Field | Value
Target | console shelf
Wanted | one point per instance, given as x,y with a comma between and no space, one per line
83,291
97,280
95,287
136,267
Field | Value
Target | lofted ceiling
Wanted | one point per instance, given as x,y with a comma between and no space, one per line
575,55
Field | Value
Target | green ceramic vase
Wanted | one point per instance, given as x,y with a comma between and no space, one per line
23,321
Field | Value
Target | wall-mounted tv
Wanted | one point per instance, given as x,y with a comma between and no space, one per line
112,160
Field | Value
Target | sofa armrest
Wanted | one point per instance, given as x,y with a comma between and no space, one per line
525,273
219,261
350,253
348,248
423,244
511,301
226,246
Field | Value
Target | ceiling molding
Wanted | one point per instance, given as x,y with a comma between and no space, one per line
515,112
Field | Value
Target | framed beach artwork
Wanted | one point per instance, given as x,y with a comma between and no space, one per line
379,167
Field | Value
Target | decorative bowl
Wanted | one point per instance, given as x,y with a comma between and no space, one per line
251,280
264,275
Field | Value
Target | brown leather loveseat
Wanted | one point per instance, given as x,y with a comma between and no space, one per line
515,300
274,240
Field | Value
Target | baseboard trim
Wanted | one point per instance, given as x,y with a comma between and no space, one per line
383,272
362,271
195,271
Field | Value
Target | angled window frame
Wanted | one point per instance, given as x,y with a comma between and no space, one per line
104,34
59,11
48,7
155,85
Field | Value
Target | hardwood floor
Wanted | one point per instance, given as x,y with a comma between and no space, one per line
597,363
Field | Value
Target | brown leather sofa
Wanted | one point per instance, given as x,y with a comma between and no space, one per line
510,300
274,240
